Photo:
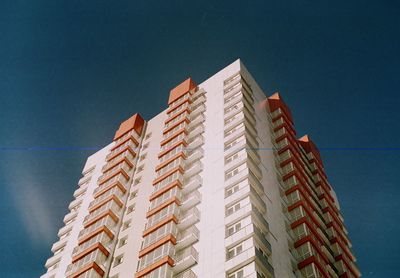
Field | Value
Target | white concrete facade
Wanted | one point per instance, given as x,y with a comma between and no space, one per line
238,227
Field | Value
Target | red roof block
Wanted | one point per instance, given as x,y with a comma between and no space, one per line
181,89
135,122
275,101
309,146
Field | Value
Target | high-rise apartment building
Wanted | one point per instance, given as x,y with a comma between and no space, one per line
216,185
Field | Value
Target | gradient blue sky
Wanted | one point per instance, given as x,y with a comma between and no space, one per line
71,71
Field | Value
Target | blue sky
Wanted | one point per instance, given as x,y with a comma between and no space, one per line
71,71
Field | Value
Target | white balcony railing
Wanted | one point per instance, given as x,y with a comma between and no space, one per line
185,259
96,256
189,218
102,238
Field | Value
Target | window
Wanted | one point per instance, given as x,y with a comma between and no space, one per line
148,135
143,156
237,274
230,174
232,209
138,180
118,260
133,195
126,225
145,146
231,190
140,168
130,208
234,251
123,241
231,158
233,229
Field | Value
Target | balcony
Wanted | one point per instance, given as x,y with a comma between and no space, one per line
234,121
246,232
248,209
264,262
53,260
288,168
97,256
107,222
128,144
91,274
194,121
71,215
231,81
80,191
254,156
189,218
102,238
242,175
198,100
187,237
233,109
58,244
254,168
111,205
262,238
240,259
197,110
276,113
84,179
196,132
185,259
280,132
291,182
117,179
74,203
244,191
196,142
186,274
193,169
110,164
256,184
190,200
277,123
115,191
282,144
235,133
130,133
195,155
192,184
64,230
124,168
241,144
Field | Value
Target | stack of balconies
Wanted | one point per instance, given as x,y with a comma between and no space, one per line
96,242
308,203
170,233
64,233
247,230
